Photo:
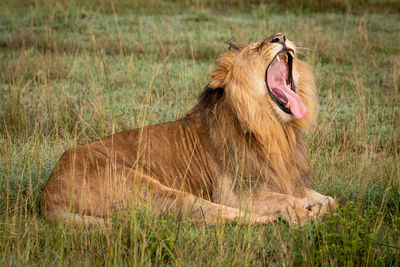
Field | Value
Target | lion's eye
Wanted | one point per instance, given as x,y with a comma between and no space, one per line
275,40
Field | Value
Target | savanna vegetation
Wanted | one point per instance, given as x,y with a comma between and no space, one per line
75,71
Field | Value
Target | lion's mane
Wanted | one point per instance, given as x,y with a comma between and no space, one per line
244,125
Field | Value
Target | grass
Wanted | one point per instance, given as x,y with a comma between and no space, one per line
76,71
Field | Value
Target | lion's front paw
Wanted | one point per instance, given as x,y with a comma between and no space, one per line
297,214
322,206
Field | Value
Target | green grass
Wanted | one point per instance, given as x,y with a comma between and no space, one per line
73,72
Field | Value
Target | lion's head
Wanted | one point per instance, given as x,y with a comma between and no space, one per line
267,76
261,96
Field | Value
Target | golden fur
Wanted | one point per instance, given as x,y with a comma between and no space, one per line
234,156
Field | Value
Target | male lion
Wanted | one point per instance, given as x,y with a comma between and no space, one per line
238,154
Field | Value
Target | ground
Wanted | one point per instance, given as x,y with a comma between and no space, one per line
76,71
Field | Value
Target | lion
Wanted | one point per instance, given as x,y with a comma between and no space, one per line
237,156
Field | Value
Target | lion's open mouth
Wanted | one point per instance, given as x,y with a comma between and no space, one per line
281,87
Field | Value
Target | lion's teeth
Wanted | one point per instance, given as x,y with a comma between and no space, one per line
278,58
287,105
291,53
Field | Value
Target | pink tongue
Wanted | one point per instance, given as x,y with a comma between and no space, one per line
296,105
277,75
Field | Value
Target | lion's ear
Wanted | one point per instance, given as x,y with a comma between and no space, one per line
235,46
223,69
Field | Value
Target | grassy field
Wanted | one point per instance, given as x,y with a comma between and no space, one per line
75,71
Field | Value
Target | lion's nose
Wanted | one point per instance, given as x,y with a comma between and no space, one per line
279,38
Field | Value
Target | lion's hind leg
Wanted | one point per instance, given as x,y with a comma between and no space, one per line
88,208
86,190
61,215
